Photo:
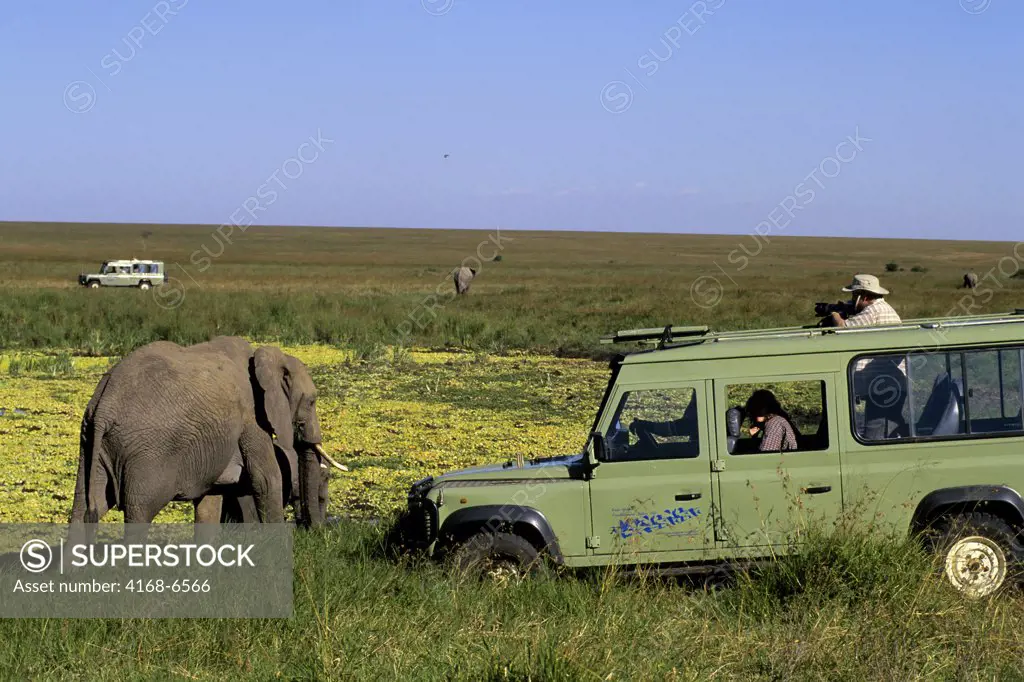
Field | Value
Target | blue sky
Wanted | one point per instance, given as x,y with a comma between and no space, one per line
646,116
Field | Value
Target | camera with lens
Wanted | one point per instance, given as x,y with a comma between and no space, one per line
825,310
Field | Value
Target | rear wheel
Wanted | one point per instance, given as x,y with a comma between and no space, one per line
500,557
977,552
144,285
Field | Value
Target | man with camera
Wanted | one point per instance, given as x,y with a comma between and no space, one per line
880,384
868,306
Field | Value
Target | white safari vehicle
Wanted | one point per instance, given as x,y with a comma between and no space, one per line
126,273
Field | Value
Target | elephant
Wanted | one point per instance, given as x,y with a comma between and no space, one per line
970,281
174,423
463,277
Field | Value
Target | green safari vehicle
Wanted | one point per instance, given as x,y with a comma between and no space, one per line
913,428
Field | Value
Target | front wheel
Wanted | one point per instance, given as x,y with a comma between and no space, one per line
94,284
500,557
977,553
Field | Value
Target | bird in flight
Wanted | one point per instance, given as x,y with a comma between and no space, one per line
447,155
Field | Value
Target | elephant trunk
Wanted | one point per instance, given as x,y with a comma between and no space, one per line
310,480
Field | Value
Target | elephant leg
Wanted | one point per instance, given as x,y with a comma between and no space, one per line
239,509
83,531
208,508
141,512
79,505
143,508
264,473
146,491
136,523
207,519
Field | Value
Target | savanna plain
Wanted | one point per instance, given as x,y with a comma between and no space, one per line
414,381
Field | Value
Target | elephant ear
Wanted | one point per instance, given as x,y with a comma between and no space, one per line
271,373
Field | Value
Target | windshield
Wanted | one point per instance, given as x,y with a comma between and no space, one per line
614,365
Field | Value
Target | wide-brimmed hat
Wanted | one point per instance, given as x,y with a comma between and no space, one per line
867,283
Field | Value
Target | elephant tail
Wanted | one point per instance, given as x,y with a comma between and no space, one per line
91,483
78,506
96,483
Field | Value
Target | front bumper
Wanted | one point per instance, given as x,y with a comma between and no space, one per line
81,280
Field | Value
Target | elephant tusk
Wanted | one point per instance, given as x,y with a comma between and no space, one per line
323,453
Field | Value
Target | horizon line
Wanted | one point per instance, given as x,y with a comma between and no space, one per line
748,233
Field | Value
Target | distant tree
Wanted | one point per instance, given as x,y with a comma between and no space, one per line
892,267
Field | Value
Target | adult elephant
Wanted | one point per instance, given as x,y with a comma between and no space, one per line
970,281
173,423
463,276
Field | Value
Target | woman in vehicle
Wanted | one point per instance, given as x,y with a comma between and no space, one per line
769,419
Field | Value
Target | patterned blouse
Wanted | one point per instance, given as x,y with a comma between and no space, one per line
778,435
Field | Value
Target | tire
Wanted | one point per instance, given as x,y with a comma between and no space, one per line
499,557
94,284
977,552
144,285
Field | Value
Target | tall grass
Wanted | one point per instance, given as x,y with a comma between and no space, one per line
847,607
55,365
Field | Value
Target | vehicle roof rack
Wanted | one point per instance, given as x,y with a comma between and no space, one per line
660,335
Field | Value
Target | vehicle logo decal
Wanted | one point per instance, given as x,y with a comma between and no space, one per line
646,524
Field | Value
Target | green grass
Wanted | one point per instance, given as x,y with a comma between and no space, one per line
551,292
848,608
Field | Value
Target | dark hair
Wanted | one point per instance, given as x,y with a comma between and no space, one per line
762,403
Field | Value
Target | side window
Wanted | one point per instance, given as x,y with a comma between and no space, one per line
937,400
658,423
937,394
774,417
993,391
880,397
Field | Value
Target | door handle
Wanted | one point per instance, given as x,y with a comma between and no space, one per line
816,489
686,497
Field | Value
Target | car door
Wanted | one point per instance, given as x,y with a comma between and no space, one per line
108,277
766,498
651,498
125,278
